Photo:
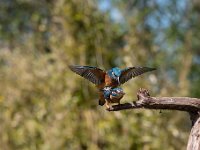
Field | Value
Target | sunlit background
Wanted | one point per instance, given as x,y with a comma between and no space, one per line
45,106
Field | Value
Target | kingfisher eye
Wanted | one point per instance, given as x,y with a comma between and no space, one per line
114,74
114,93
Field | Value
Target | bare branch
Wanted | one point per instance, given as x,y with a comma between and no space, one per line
191,105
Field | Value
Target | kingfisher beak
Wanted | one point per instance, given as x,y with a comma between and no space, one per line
118,80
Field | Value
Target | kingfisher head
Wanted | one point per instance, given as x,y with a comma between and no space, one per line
114,93
117,92
115,73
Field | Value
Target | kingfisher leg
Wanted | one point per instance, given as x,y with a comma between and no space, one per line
108,106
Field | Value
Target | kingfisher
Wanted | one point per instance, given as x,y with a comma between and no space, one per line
110,95
108,81
111,78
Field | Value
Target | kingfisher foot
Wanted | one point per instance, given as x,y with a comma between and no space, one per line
108,105
109,108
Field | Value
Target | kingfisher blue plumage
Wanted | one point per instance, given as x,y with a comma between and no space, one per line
111,78
110,95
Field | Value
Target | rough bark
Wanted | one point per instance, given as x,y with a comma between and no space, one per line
194,138
190,105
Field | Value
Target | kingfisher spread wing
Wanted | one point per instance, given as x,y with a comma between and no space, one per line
131,72
93,74
112,78
121,76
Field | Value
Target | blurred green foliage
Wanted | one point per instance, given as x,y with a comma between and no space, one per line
45,106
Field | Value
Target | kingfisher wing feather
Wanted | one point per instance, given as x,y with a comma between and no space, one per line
132,72
93,74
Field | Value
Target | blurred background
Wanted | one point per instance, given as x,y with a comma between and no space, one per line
45,106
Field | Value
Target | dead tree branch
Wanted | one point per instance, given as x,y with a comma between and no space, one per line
190,105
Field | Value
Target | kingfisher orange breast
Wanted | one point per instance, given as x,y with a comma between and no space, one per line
109,81
114,100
